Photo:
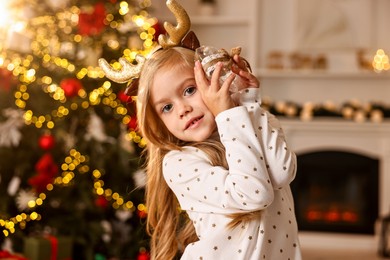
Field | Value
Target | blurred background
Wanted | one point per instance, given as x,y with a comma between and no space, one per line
71,178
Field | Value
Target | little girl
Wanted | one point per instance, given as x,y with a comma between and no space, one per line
219,158
218,167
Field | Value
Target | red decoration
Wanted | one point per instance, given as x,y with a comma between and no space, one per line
101,202
92,23
46,169
54,247
142,213
71,86
133,125
123,97
143,255
6,79
46,142
7,255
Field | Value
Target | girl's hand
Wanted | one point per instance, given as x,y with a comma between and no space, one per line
241,69
217,98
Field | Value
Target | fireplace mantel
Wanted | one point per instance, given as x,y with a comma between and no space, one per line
369,139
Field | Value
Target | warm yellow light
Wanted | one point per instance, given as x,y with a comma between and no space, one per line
139,20
124,8
381,61
5,17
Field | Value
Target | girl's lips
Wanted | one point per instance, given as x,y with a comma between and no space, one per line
193,122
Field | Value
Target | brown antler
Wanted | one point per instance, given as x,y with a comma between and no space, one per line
175,33
127,72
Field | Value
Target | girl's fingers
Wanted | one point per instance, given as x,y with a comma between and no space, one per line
215,77
240,62
200,77
251,80
226,85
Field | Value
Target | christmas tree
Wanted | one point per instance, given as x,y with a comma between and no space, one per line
70,161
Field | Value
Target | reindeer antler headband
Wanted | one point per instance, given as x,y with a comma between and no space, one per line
178,35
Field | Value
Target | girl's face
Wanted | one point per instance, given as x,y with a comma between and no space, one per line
179,105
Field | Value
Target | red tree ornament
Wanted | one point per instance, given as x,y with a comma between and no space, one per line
6,79
71,86
142,213
46,142
46,169
92,23
143,255
133,125
101,202
123,97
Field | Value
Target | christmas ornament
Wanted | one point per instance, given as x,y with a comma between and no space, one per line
123,97
9,130
123,215
13,185
101,202
71,86
210,56
95,130
46,169
140,178
46,142
107,227
133,123
143,254
7,80
142,213
23,198
91,22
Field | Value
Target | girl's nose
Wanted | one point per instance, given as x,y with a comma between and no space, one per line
184,109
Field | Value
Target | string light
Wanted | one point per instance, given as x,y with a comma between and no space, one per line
381,61
74,162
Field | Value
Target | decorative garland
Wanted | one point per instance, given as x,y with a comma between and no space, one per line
352,110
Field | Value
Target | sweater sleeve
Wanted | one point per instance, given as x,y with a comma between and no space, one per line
201,187
271,141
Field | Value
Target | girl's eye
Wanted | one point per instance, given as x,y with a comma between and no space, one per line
189,91
166,108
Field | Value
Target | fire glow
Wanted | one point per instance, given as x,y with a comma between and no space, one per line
332,215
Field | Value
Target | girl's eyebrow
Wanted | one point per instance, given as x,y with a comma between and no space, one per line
160,100
179,88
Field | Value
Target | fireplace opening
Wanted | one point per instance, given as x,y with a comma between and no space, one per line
336,191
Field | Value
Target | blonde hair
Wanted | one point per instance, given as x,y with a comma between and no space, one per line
169,228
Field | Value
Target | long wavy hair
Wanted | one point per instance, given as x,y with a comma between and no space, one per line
169,228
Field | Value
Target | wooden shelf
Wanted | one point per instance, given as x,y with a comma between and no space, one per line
320,74
220,20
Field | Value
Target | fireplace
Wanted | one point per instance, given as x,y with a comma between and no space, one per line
357,142
336,191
